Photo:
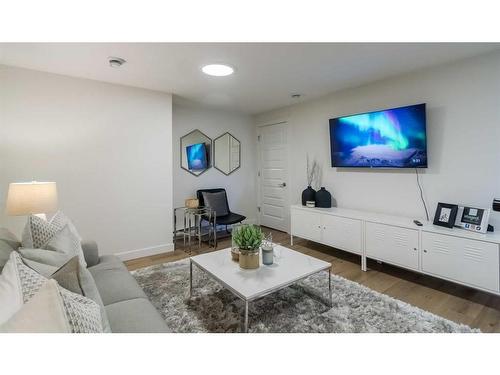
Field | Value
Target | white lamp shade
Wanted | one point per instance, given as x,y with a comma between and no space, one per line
27,198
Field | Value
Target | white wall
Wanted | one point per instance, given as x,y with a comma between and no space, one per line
463,126
108,147
240,184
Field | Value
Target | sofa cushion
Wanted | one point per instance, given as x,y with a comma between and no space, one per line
90,290
114,282
109,262
135,315
90,252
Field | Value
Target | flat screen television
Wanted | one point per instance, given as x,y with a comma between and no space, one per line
391,138
197,157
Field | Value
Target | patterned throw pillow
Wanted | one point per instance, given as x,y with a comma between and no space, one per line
64,241
41,234
60,220
82,313
47,263
37,232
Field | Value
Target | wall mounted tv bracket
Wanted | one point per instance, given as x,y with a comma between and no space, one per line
473,219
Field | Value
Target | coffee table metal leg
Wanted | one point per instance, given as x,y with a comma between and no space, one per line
246,317
190,278
330,287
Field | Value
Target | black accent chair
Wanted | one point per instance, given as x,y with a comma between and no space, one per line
230,218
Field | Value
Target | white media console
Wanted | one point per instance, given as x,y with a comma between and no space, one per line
456,255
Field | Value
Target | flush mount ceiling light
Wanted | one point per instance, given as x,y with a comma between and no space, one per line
218,70
116,62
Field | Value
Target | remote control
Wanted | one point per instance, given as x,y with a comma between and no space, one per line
418,223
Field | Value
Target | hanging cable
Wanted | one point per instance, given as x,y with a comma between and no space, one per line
422,194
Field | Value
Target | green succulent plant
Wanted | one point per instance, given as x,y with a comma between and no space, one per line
248,237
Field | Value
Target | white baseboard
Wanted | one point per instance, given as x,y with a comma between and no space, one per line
145,252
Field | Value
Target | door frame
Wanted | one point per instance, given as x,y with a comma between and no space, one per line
286,123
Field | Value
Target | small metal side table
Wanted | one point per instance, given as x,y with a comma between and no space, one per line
193,218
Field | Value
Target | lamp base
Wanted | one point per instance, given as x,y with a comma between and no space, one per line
41,216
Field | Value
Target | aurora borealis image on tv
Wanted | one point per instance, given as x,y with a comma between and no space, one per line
392,138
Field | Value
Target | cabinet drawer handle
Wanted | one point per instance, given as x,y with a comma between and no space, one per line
425,251
415,249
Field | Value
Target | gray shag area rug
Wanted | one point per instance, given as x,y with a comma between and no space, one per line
302,307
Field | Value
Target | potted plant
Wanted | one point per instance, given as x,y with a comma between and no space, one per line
248,239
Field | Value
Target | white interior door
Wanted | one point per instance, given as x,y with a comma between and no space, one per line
273,177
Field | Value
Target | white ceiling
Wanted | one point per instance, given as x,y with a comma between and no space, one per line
266,73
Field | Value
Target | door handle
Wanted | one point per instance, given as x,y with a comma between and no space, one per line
283,184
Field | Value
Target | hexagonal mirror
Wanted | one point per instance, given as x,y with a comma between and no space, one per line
195,152
227,153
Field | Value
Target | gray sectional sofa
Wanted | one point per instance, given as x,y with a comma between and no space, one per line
127,307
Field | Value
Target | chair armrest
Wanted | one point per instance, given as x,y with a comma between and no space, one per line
90,252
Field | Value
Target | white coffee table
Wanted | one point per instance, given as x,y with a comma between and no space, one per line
289,267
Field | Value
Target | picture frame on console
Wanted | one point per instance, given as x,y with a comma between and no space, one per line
445,215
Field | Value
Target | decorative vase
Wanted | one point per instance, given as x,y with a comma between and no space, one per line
267,256
323,198
249,260
308,195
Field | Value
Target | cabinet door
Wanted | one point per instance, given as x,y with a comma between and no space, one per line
471,262
342,233
392,244
306,225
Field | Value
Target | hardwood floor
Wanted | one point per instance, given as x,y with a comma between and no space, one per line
455,302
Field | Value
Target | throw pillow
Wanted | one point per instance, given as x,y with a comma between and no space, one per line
83,313
45,270
8,243
68,276
77,278
52,258
64,241
60,220
41,234
37,232
11,297
44,313
217,202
